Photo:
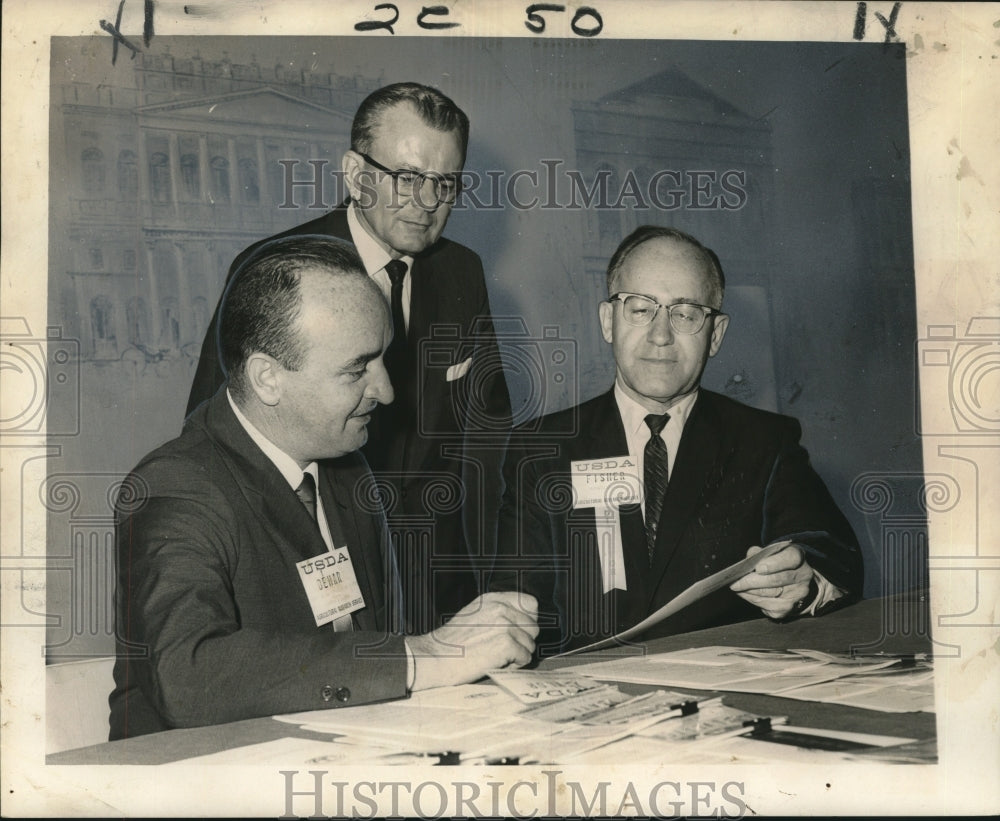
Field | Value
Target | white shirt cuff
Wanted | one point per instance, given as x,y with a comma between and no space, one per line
828,592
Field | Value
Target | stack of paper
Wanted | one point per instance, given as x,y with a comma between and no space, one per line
535,717
793,673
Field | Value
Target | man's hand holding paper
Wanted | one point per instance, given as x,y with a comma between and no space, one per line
779,585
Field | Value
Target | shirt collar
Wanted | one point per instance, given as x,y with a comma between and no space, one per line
285,464
372,254
634,415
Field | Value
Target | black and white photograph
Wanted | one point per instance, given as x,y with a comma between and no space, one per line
500,409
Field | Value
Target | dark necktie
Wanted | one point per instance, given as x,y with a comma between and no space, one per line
395,356
306,491
655,476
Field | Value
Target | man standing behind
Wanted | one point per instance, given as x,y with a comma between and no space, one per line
255,574
718,479
431,447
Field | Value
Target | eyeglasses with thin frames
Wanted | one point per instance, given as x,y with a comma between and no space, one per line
685,317
407,182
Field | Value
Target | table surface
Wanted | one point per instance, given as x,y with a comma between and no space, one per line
897,625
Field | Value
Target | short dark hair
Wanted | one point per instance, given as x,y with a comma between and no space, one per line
263,299
434,108
644,233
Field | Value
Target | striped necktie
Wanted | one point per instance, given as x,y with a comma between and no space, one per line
655,475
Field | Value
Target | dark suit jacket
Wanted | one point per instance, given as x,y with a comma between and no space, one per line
440,446
740,478
213,623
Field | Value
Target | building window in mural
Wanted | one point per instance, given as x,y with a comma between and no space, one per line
128,174
138,322
170,326
249,187
220,179
159,177
93,170
103,329
190,176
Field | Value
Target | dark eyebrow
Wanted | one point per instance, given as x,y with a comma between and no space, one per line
363,359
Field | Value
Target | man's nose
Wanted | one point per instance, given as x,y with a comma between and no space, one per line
425,194
380,387
661,332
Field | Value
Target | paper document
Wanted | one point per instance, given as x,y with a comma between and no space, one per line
696,591
577,707
535,687
734,669
895,690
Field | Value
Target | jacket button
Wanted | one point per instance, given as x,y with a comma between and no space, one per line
326,692
343,695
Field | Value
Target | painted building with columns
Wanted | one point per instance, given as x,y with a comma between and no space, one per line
161,177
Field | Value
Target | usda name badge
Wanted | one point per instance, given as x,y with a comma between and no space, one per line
606,483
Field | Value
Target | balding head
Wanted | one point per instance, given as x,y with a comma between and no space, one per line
705,258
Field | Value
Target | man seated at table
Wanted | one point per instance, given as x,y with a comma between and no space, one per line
687,481
255,572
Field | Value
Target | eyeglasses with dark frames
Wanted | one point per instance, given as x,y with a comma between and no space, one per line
406,181
685,317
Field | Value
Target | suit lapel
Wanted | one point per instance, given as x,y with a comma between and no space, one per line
604,435
695,475
263,485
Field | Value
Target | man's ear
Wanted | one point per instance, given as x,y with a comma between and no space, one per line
352,164
719,324
607,312
264,377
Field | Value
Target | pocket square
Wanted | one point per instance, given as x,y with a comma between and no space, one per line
458,371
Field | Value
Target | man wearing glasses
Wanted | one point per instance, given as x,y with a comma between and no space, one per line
664,483
431,448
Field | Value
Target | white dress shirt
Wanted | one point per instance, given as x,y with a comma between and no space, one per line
375,257
637,432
